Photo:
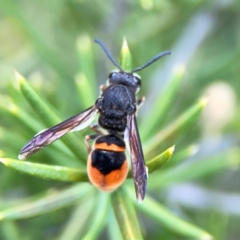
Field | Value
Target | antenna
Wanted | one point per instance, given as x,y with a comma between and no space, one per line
108,53
162,54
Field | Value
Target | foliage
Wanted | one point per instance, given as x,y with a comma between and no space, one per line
50,43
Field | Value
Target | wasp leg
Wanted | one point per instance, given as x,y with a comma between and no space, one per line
96,128
87,138
140,101
102,88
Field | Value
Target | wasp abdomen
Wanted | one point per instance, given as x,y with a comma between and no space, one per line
107,164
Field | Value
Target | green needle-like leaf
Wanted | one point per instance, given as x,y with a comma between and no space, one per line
46,171
32,125
113,227
158,212
26,119
169,220
86,67
159,160
126,215
182,154
98,220
172,130
196,169
161,106
37,103
47,115
84,88
77,225
9,230
126,57
50,202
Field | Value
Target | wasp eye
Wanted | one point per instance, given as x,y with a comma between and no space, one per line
112,74
137,80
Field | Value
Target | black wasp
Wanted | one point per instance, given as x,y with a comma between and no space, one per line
107,165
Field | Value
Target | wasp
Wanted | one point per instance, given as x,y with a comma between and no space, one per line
117,105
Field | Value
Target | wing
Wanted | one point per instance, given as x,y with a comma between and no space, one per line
46,137
139,170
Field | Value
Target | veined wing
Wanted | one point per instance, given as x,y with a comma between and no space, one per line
47,136
139,170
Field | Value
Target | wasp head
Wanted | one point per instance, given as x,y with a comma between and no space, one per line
130,80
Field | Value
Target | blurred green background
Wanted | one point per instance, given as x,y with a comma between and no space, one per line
45,41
